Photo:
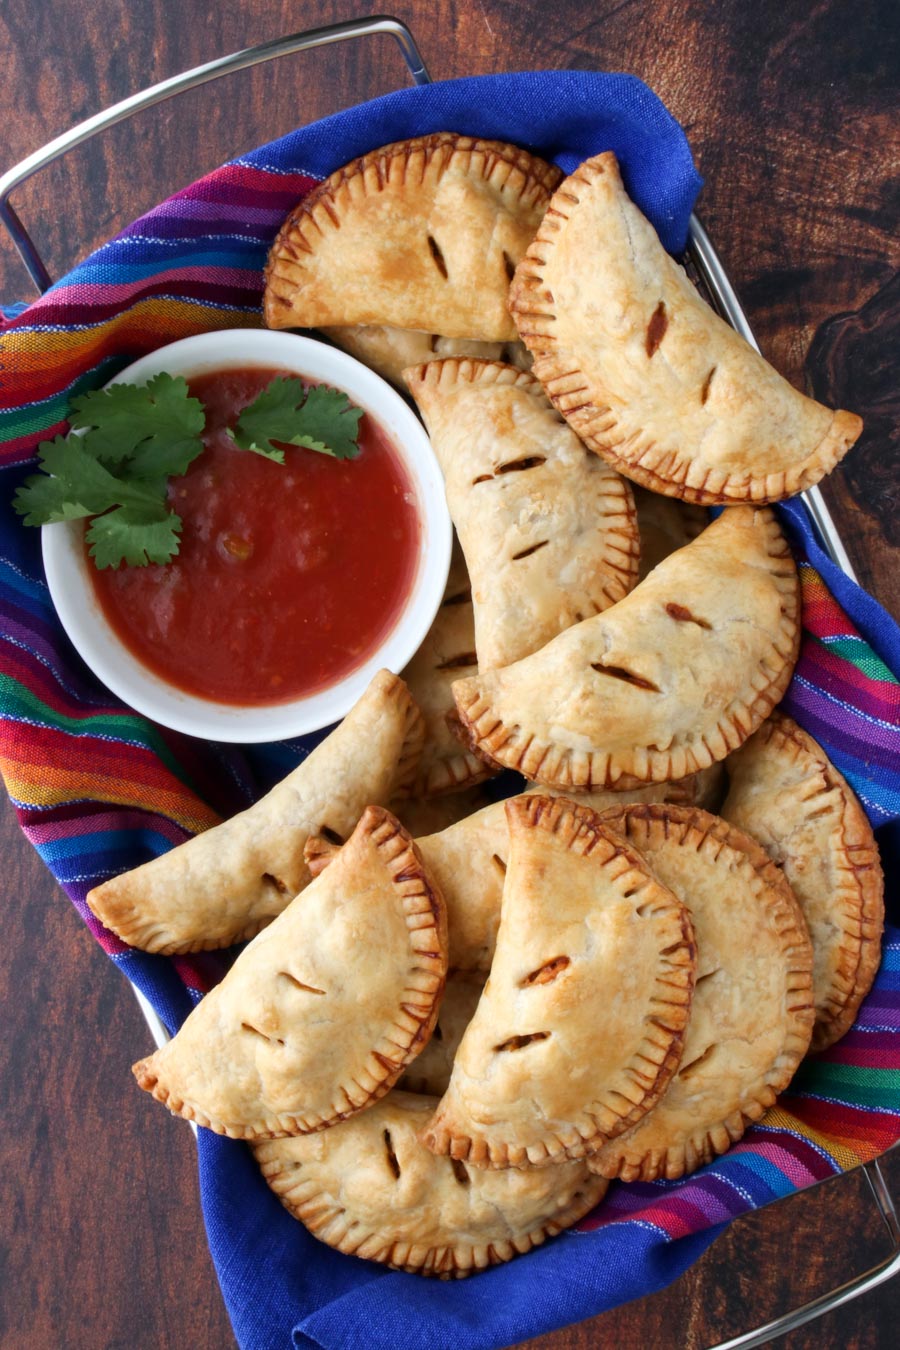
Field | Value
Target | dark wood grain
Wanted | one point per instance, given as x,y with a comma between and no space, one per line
788,109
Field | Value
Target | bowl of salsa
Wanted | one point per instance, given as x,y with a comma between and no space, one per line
293,582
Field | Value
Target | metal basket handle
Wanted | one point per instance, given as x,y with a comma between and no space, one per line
178,84
722,295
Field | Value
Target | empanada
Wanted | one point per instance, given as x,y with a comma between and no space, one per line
224,885
581,1024
787,794
752,1013
661,685
422,234
645,371
548,530
321,1013
390,351
370,1189
448,652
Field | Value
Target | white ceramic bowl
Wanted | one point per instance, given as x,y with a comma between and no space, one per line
72,591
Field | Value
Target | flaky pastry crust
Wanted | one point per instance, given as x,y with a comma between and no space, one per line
581,1024
226,884
548,530
786,793
664,683
752,1013
370,1189
646,372
448,652
323,1011
422,234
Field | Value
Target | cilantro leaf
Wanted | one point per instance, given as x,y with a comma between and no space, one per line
135,535
320,418
149,430
80,485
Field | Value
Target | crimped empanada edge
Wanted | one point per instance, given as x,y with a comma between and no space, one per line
860,955
581,829
319,1212
409,1032
544,761
634,455
702,1145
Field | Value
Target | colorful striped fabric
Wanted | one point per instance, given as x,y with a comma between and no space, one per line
97,788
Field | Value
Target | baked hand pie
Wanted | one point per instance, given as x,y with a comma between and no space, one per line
226,884
646,372
389,351
323,1011
581,1023
447,652
370,1189
661,685
468,864
752,1012
422,234
786,793
548,530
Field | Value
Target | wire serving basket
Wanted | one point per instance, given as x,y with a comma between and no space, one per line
706,270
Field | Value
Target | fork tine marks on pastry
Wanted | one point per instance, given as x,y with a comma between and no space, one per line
645,371
533,1082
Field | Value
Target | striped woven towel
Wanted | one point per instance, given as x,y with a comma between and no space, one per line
98,788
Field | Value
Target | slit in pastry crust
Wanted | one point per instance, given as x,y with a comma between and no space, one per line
551,1068
415,235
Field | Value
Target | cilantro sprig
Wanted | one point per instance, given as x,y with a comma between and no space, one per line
319,418
129,440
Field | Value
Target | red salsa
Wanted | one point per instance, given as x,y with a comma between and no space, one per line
288,577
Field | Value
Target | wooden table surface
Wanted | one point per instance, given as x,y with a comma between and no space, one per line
788,108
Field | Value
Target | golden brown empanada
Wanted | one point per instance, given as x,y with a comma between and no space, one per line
447,653
390,351
581,1024
369,1188
224,885
430,1072
645,371
787,794
422,234
321,1013
752,1013
661,685
549,532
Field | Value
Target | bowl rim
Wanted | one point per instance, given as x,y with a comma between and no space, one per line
66,564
